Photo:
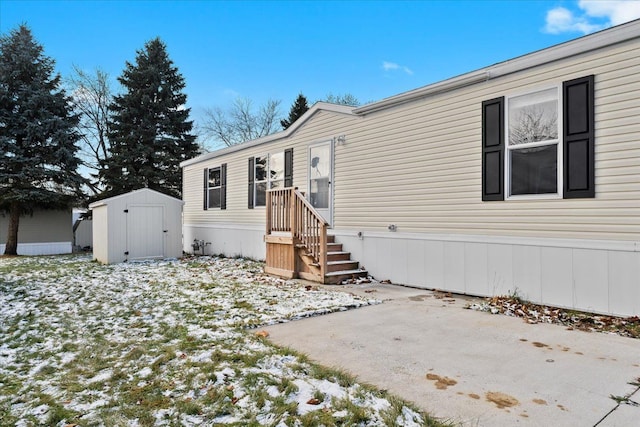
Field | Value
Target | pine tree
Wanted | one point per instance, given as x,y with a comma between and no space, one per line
299,107
38,163
149,129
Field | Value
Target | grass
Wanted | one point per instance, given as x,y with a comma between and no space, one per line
165,343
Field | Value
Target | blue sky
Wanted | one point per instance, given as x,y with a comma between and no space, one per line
273,49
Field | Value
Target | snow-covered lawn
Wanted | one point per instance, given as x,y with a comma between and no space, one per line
168,343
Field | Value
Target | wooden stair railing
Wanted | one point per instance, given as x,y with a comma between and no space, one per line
288,211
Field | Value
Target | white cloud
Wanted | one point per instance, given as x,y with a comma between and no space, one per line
392,66
593,15
616,11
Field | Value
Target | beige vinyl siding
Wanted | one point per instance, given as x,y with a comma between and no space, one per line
322,126
418,165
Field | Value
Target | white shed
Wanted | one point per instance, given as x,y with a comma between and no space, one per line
142,224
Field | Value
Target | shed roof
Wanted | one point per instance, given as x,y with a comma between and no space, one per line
105,202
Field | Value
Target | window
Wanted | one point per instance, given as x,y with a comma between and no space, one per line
266,172
533,143
213,200
276,170
215,191
542,145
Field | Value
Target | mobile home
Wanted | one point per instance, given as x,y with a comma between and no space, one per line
521,177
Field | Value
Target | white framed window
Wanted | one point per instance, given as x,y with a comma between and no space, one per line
533,161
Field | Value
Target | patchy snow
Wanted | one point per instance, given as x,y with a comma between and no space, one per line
166,342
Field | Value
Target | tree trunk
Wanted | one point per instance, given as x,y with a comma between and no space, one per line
11,248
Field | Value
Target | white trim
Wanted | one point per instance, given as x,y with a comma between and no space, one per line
330,142
558,142
601,39
318,106
610,245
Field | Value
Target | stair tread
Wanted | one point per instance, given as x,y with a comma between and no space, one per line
341,261
338,273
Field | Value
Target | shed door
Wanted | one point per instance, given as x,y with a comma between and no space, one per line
145,233
320,193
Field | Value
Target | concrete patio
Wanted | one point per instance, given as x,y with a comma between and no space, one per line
474,368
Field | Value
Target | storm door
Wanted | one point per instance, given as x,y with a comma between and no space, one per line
320,190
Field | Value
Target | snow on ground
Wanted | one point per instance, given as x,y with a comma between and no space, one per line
168,343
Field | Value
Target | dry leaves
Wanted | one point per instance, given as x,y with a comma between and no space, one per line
534,313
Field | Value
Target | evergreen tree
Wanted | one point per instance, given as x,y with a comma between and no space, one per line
149,129
38,163
299,107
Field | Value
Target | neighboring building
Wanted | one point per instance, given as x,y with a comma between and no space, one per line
44,232
522,177
82,230
142,224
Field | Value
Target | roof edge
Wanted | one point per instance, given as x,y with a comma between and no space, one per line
587,43
318,106
106,201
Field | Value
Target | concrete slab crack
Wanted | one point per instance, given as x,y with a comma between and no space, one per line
622,400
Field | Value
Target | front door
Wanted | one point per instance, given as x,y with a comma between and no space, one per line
320,193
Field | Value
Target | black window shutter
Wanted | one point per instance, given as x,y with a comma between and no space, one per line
493,149
223,186
205,202
251,179
579,138
288,167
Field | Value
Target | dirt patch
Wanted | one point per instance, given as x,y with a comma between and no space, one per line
501,400
442,382
474,396
539,344
562,408
540,401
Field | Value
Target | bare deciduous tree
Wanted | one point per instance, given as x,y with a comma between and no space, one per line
91,93
240,123
532,124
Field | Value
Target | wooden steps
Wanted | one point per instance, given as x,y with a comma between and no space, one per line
340,266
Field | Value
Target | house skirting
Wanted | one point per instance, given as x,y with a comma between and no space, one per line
42,248
594,276
226,239
589,275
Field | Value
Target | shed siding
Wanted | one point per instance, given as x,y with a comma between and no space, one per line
100,234
110,225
